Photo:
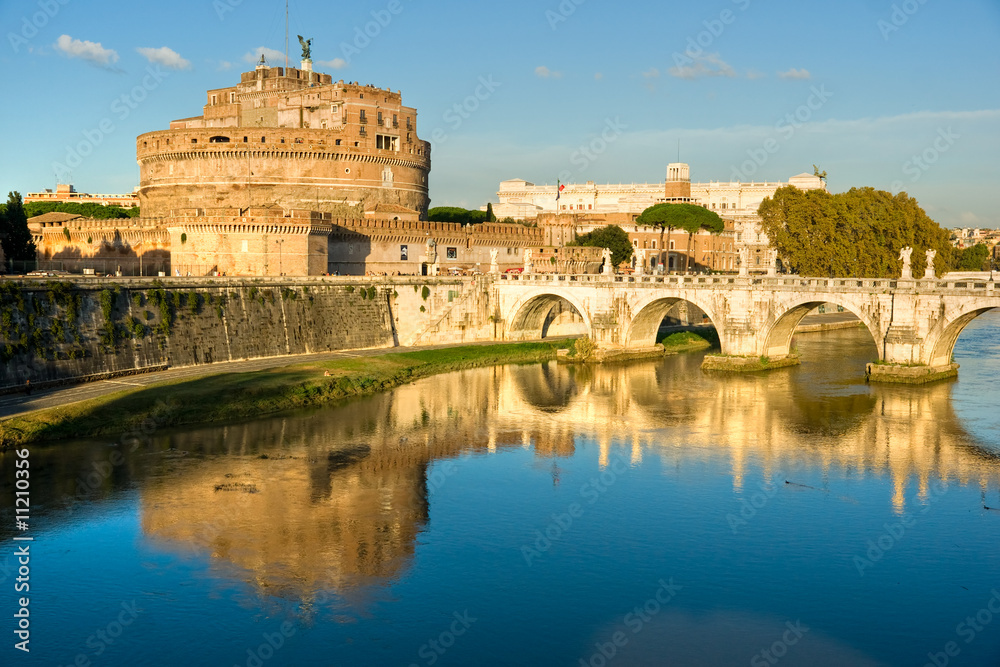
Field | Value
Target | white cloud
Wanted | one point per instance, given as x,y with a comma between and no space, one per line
652,73
224,65
92,52
754,74
164,56
544,72
336,63
709,64
793,73
273,56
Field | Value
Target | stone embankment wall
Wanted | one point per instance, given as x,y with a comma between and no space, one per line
55,331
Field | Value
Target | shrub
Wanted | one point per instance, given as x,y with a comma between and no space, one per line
584,348
425,292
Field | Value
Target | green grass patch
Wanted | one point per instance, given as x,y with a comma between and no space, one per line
231,396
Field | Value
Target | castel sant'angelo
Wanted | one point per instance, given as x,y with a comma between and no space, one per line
286,173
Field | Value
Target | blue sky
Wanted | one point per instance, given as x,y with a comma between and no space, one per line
897,95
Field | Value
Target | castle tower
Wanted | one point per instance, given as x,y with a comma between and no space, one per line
678,184
290,139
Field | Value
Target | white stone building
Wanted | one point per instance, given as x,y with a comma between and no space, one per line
522,200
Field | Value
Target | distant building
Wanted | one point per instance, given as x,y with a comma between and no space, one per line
67,193
733,201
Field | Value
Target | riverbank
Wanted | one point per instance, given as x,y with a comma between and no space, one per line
231,396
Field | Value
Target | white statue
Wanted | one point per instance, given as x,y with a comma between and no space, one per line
430,250
527,260
904,255
608,269
744,258
929,269
494,262
640,261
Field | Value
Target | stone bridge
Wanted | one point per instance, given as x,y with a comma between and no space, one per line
915,323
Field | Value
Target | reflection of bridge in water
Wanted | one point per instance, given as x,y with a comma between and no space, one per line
344,492
913,322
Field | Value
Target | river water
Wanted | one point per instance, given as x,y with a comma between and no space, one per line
635,514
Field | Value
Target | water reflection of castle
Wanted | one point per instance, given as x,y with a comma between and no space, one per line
343,493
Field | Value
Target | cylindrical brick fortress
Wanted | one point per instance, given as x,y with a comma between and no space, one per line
288,139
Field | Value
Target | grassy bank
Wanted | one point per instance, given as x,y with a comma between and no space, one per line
686,341
232,396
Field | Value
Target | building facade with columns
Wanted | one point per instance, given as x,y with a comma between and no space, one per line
735,202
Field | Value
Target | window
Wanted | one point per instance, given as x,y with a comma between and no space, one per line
361,116
654,245
403,252
244,139
263,140
338,142
215,100
395,120
379,117
246,246
590,207
194,141
671,244
452,253
635,243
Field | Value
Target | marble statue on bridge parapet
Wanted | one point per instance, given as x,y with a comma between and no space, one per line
494,264
528,264
929,269
608,269
640,261
904,255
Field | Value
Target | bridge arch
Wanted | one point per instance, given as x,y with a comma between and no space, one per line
777,339
941,339
527,318
649,313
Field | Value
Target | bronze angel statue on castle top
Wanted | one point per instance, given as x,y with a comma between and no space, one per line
306,48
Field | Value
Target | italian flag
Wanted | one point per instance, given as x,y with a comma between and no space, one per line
559,188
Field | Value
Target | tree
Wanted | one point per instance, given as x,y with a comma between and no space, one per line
490,217
689,217
857,233
16,238
612,237
976,258
87,210
456,214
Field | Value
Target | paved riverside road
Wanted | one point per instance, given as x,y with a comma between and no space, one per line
16,404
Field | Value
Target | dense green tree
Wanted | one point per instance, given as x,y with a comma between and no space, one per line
16,239
856,233
612,237
87,210
689,217
490,217
456,214
976,258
